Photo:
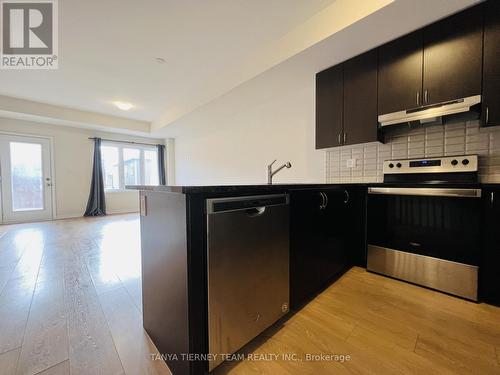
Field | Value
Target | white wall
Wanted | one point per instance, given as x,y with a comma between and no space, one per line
232,140
73,153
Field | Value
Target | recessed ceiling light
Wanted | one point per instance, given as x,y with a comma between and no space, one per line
124,106
160,60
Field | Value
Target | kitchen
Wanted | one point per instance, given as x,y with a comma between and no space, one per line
411,194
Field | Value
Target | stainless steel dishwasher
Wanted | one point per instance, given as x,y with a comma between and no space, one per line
248,259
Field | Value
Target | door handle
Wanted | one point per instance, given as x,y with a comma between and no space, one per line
346,197
418,98
340,142
345,137
487,116
426,96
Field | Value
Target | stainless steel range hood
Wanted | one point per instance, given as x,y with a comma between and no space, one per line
429,113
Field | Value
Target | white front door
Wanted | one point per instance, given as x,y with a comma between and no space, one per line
26,188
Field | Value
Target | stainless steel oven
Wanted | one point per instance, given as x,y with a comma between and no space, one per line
427,231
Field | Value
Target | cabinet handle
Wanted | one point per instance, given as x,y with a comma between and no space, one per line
322,205
487,116
426,96
418,98
340,142
346,194
492,197
345,137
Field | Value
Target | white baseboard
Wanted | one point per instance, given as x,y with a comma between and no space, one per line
123,211
68,216
109,212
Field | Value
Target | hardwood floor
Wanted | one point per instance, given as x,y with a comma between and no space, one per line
386,327
70,302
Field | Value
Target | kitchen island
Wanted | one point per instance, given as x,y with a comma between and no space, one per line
326,228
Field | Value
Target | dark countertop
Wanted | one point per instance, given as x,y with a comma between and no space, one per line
217,189
277,188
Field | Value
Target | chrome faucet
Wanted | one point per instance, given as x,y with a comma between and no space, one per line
271,173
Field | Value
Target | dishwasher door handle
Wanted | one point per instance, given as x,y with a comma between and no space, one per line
255,211
247,203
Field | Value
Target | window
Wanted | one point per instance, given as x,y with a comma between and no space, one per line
110,165
128,165
26,175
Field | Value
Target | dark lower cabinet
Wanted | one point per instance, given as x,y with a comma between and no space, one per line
326,238
491,64
489,268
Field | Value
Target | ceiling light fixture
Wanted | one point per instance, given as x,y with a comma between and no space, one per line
123,105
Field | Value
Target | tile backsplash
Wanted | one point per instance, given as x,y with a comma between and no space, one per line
419,142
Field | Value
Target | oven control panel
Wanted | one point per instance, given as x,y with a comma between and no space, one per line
447,164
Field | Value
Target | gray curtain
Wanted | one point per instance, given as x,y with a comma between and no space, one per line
96,205
161,164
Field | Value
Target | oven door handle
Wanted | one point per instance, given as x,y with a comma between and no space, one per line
433,192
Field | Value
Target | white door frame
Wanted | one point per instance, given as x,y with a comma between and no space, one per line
50,139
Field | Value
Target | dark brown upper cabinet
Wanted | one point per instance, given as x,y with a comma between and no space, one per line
329,107
400,74
360,99
491,64
439,63
453,57
346,102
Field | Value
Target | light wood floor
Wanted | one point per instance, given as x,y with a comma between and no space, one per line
70,299
70,302
386,327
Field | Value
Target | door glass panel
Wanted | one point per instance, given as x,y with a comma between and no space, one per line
150,168
110,165
131,166
27,176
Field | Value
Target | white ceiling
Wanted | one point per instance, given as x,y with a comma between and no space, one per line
108,48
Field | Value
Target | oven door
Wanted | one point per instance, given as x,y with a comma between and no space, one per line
428,236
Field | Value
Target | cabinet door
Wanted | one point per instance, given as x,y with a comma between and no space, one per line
360,99
491,67
306,245
453,57
355,224
400,65
333,227
329,110
489,282
318,242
